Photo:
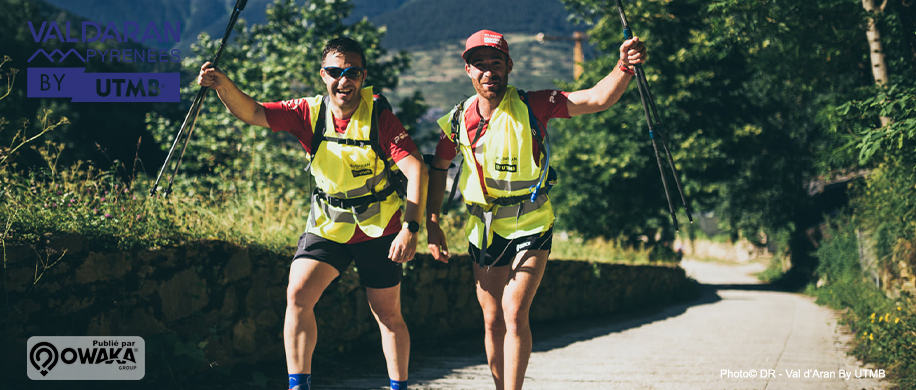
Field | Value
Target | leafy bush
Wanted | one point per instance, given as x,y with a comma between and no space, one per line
886,204
885,329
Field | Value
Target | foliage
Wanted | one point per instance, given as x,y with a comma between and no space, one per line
747,92
886,204
230,188
884,329
739,97
274,61
858,117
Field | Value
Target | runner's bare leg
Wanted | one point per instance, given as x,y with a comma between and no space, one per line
386,307
505,295
307,280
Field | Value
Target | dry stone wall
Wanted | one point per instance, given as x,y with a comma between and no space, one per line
211,303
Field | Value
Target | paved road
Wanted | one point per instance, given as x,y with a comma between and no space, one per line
737,325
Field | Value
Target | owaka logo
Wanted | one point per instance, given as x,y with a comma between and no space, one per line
86,358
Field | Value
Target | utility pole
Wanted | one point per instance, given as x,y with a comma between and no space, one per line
578,56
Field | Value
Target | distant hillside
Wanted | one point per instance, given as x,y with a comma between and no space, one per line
420,23
439,72
410,23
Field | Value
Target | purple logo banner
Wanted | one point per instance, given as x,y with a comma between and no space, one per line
80,86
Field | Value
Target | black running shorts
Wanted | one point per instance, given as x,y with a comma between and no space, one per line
501,252
376,270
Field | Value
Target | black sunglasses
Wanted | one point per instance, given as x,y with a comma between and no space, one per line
351,73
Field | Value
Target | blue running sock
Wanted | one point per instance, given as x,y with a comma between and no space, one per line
300,381
398,385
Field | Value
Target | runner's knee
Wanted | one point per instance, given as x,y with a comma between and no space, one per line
390,319
515,317
494,322
298,296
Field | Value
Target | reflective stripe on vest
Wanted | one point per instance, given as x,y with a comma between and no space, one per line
349,171
509,169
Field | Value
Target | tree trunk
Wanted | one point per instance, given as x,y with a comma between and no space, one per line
876,51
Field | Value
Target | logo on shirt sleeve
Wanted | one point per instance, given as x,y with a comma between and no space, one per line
400,137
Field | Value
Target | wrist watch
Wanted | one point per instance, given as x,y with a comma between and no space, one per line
412,226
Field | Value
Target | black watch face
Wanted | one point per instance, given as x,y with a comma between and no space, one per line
413,226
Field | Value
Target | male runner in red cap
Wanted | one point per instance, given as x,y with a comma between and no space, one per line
501,133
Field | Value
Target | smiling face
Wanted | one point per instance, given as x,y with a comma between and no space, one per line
343,91
489,71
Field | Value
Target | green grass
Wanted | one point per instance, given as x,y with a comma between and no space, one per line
96,205
597,250
118,213
114,210
772,273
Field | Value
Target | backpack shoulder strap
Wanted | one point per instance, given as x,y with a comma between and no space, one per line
395,180
535,126
540,135
380,103
320,126
317,133
455,121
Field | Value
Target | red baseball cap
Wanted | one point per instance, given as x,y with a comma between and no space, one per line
485,38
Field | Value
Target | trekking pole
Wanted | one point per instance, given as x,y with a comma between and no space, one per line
191,118
655,127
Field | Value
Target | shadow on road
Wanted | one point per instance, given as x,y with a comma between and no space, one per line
432,359
440,358
556,334
553,335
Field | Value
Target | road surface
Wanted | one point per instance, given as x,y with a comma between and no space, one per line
738,335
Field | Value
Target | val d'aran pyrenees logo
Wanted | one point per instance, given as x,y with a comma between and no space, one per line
84,86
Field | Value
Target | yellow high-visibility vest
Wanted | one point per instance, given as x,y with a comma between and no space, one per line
347,171
504,162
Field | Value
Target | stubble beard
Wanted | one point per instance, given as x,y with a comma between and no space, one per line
492,94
